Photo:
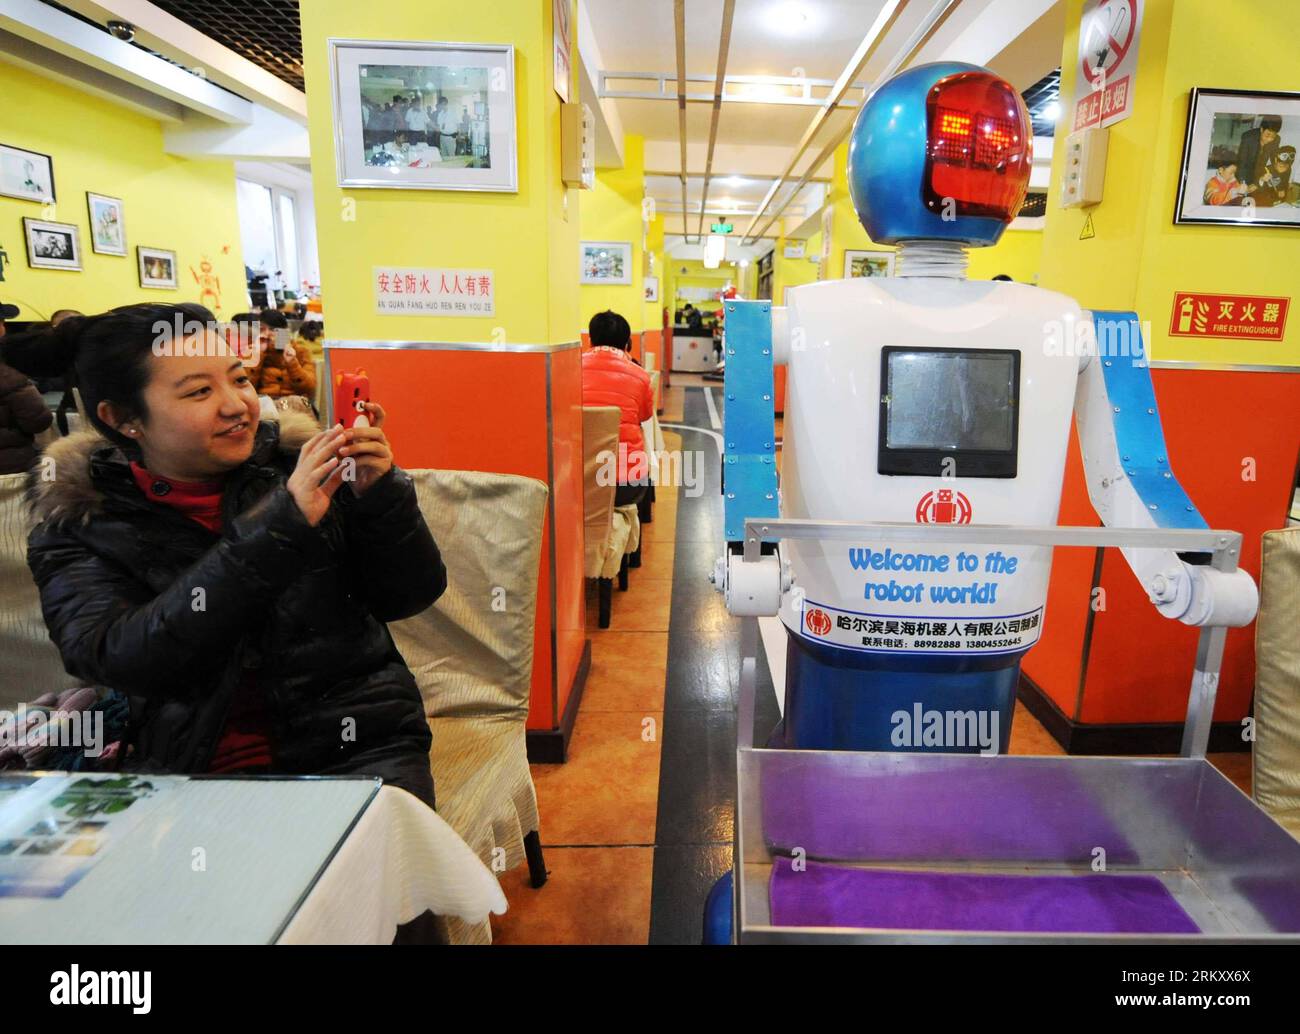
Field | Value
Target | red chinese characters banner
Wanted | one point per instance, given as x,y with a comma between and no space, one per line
1255,317
433,292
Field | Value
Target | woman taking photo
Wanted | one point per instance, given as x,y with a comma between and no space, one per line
231,577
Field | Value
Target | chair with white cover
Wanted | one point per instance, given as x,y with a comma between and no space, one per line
607,530
30,665
1276,754
472,656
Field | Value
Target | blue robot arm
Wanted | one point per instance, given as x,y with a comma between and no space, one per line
1131,481
749,426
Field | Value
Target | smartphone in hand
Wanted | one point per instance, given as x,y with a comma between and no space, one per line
351,393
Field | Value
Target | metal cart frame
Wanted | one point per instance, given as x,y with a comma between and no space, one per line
1227,863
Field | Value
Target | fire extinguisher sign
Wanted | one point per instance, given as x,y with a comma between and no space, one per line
1235,316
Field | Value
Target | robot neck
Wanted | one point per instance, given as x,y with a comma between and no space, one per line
945,259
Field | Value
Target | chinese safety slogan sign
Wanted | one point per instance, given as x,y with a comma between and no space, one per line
1107,69
403,291
1255,317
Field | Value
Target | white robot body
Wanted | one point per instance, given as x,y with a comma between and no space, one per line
838,333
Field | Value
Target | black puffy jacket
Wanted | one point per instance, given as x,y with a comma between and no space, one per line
142,599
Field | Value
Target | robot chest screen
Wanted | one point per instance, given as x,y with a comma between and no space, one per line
949,412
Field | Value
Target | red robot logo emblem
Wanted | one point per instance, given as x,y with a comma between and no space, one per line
818,622
945,506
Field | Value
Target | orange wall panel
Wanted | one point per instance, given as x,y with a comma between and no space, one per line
1214,420
567,499
1053,663
652,343
1140,664
462,409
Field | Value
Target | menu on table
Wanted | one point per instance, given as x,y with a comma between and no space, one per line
55,828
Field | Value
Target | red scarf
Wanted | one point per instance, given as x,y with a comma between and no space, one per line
198,500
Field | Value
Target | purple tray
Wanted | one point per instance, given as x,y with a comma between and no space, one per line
834,895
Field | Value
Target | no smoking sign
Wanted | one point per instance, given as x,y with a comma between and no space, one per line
1108,49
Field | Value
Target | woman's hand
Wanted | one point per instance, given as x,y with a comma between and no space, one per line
318,474
369,447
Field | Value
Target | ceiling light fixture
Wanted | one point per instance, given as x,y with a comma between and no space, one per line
715,250
787,18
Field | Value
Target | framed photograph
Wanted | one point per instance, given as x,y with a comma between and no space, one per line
605,262
107,224
651,286
157,268
1238,159
52,245
560,39
27,175
868,263
425,116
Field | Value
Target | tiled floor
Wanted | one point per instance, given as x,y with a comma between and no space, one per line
627,814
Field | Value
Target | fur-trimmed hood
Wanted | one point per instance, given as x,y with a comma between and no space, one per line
62,486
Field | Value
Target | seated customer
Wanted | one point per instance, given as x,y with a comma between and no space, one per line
307,343
217,570
23,413
611,377
279,371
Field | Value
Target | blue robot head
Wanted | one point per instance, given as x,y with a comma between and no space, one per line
940,152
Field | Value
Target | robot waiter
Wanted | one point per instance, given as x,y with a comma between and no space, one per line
931,398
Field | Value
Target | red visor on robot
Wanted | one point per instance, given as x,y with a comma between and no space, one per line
979,147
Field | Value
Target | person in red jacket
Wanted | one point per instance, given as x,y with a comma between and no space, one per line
611,377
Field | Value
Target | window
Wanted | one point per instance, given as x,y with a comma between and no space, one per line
289,242
257,227
268,232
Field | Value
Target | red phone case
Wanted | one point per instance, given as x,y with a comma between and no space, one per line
351,392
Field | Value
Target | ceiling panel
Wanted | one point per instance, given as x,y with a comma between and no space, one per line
266,32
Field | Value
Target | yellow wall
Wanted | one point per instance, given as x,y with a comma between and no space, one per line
1139,258
529,239
1018,254
847,233
180,204
652,312
788,272
696,275
612,211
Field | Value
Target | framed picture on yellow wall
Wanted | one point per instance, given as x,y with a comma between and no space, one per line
52,245
107,224
26,175
1239,158
157,268
868,263
605,262
424,116
650,284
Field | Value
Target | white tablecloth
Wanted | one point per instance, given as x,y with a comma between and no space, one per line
400,860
